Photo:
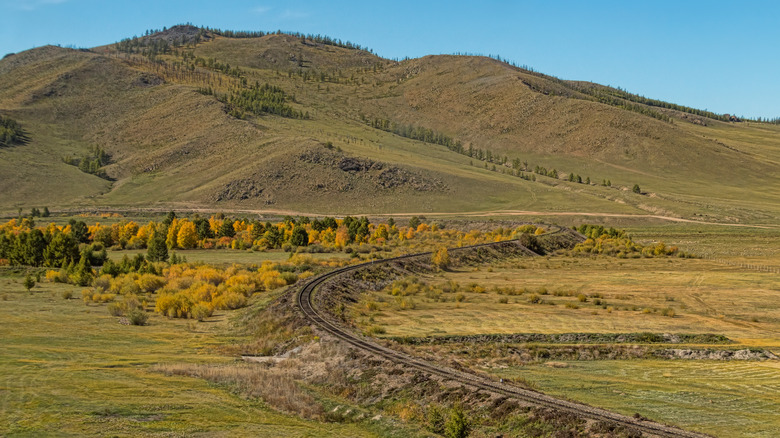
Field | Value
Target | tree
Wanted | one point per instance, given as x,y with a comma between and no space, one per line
169,218
82,274
458,425
226,230
187,237
441,258
157,250
29,282
46,212
299,236
61,249
273,236
636,189
414,222
172,234
79,231
203,228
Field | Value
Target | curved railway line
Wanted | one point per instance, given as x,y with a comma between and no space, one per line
322,321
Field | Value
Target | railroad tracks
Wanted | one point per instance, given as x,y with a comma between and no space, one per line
329,325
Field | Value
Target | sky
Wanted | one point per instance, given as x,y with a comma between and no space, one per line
722,56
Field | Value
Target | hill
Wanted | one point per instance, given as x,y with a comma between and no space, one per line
183,119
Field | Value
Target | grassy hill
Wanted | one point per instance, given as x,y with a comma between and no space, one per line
166,110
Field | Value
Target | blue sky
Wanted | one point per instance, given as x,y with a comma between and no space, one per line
723,56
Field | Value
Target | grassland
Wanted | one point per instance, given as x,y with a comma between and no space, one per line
629,295
726,399
72,370
557,294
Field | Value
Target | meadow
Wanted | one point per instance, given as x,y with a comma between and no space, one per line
562,294
70,369
722,398
732,292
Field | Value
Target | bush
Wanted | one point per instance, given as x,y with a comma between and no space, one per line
67,294
116,309
376,330
201,311
458,425
137,317
289,277
503,300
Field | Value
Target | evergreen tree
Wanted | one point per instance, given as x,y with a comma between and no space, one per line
157,250
29,282
227,230
169,218
299,237
79,231
82,274
636,189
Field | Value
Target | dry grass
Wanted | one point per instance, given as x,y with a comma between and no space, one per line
276,386
600,295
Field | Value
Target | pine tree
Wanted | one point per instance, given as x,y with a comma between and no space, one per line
29,282
157,251
299,237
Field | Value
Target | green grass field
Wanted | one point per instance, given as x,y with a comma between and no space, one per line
72,370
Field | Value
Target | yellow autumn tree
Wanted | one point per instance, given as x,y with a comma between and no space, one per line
173,233
342,237
441,258
187,236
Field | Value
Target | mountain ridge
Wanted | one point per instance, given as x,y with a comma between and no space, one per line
173,142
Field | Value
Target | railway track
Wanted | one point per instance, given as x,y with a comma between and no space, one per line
329,325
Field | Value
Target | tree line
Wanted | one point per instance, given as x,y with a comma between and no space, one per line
516,167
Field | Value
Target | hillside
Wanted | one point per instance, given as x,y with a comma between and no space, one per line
185,122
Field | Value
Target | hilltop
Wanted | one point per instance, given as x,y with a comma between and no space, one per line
183,118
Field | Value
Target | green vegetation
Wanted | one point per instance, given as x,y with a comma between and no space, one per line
56,383
10,132
92,163
258,100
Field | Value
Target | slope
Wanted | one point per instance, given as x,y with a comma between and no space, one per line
167,115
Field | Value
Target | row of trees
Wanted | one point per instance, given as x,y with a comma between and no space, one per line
426,135
21,243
